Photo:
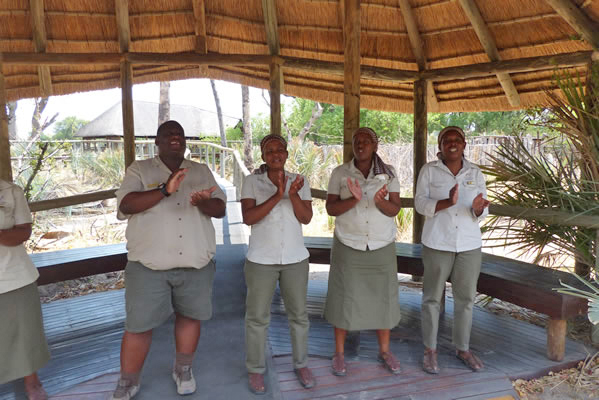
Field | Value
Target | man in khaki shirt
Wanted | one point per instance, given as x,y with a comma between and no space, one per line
168,202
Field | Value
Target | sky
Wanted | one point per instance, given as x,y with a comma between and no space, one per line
193,92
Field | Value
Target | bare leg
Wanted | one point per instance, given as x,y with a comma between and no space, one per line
383,336
134,349
340,340
187,334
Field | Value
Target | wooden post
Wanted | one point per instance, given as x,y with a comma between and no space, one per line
351,89
127,103
556,339
5,164
275,99
420,143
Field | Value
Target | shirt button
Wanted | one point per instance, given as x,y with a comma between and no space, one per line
179,219
180,236
180,253
178,204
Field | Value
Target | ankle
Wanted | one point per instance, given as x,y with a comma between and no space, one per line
132,377
183,360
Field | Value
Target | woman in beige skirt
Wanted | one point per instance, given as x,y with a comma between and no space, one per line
363,195
23,346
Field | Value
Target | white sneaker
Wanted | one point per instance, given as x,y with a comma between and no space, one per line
124,390
186,383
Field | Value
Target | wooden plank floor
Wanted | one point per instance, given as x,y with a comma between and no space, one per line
509,348
84,334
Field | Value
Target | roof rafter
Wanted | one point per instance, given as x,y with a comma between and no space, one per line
271,27
418,50
199,13
122,23
488,43
578,20
39,43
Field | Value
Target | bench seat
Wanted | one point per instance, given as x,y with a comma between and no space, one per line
524,284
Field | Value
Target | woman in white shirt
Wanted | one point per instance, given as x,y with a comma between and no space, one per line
451,194
363,195
23,346
275,203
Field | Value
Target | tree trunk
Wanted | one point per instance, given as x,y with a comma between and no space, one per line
221,125
316,113
247,128
164,105
37,126
11,107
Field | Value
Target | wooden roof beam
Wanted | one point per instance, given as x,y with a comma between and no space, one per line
418,49
122,23
563,60
351,74
38,27
271,26
488,43
578,20
199,13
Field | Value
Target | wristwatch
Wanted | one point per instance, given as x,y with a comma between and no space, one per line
162,188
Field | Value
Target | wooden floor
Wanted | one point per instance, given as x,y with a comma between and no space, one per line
85,333
509,348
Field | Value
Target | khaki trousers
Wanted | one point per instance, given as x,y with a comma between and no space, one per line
261,281
464,268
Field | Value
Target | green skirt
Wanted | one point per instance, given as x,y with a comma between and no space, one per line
23,346
363,291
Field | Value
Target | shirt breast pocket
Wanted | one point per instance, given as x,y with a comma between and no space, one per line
439,190
344,192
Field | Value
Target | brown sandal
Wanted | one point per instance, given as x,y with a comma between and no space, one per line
338,365
256,383
429,362
470,360
390,362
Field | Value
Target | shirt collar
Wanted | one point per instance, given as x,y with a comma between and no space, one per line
466,165
185,164
356,171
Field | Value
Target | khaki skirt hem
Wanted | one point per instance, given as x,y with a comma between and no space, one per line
363,291
23,345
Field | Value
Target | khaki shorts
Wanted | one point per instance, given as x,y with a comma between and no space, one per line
152,296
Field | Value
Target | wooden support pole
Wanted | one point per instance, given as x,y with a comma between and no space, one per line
556,339
275,99
5,165
351,90
127,103
420,143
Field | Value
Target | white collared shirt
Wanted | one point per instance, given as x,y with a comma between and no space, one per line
364,225
16,268
173,233
277,238
456,228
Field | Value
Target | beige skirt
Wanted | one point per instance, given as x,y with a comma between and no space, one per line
23,345
363,291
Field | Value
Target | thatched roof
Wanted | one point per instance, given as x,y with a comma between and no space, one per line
307,29
195,121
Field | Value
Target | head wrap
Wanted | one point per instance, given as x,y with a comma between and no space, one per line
265,140
456,129
379,167
445,131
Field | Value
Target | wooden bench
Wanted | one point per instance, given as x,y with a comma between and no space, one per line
63,265
524,284
520,283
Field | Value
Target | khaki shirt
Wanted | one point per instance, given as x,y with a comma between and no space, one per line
173,233
455,228
277,238
16,268
364,225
